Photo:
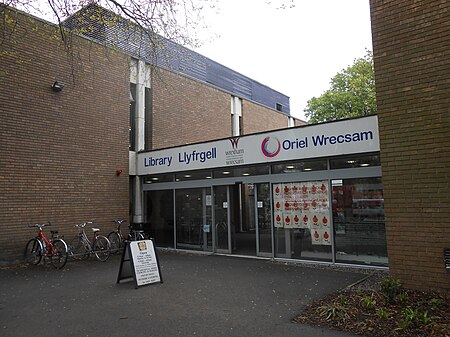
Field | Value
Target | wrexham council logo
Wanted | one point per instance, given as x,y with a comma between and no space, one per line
234,142
235,156
270,147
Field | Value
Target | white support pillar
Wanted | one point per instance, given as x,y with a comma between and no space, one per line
140,106
142,78
236,113
291,122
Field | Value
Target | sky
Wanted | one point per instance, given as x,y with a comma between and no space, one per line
295,51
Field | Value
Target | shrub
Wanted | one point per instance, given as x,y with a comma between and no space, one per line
391,288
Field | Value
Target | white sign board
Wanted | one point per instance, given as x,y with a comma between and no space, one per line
312,141
139,262
144,262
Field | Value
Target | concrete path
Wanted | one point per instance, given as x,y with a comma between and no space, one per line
202,295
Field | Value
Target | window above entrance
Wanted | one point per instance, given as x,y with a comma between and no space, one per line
158,178
355,161
300,166
241,171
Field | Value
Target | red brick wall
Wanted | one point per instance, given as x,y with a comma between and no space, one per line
257,118
60,151
186,111
411,41
299,122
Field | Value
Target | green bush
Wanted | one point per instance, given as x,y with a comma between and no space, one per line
391,288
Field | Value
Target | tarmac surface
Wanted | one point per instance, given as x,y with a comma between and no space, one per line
201,295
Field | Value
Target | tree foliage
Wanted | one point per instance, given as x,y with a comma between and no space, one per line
352,94
176,20
147,29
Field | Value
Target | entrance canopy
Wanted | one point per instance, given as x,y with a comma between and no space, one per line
343,137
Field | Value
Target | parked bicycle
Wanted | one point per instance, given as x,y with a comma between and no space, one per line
54,249
81,247
117,239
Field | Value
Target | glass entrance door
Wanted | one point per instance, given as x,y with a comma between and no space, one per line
193,218
242,219
222,238
264,220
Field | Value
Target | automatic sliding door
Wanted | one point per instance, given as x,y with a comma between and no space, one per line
264,220
222,219
193,219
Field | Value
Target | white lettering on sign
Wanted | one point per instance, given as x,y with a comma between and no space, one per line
352,136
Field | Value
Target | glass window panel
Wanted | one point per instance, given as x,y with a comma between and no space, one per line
159,208
303,247
358,219
158,178
225,172
193,175
301,220
300,166
241,171
355,161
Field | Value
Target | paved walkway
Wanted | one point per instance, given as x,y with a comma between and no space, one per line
202,295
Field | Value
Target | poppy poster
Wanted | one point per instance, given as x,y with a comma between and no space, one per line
303,205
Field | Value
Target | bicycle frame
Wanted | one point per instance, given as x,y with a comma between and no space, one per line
85,238
99,245
119,228
46,243
55,249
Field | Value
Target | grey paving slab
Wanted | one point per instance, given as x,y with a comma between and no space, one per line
202,295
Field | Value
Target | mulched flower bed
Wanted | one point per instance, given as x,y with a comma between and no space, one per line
365,309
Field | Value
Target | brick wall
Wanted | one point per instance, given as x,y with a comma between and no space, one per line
257,118
60,151
411,42
299,122
185,111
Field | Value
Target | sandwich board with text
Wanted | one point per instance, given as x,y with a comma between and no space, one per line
140,262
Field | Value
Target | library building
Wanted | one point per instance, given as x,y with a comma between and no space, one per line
310,193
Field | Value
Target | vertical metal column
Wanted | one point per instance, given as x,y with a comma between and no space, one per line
142,80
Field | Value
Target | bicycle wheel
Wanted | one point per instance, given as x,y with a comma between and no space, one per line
115,241
77,249
102,248
58,255
33,252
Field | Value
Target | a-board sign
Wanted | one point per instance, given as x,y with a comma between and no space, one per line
140,262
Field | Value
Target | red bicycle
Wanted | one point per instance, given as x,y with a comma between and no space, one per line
54,249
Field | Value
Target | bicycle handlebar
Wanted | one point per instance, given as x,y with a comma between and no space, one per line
119,221
40,226
82,225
